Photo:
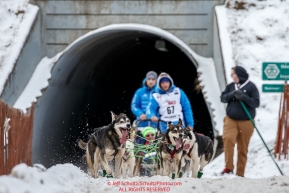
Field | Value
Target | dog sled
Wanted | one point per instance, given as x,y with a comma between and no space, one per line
145,151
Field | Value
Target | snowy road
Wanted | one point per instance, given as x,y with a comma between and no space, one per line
68,178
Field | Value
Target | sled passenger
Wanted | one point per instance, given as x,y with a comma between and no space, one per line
170,102
237,126
149,155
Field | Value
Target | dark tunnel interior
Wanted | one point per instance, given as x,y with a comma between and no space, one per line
99,74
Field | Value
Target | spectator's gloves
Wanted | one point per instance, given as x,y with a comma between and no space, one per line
231,95
238,94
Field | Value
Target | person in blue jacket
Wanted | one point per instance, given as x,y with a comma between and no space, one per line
170,103
141,99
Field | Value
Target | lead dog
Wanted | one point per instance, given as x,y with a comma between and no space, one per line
105,144
171,149
198,150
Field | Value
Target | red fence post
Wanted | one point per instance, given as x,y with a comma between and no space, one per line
2,157
285,141
12,138
282,114
30,135
279,129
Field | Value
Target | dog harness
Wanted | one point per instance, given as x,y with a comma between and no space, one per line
113,141
170,150
203,142
125,155
189,153
110,137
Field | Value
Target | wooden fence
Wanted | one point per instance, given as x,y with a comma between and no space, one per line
16,130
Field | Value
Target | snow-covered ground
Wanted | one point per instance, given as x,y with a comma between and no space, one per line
67,178
249,37
16,19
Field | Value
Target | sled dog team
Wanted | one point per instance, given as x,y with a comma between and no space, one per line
115,142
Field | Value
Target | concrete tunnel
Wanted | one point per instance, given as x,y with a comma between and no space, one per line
99,73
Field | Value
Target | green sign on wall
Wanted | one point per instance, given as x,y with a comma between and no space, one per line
275,71
272,87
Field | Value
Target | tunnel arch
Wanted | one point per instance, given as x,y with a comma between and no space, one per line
100,72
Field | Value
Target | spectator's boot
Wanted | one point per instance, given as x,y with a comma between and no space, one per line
226,171
173,175
180,174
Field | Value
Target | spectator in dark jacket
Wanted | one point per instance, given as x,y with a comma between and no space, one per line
237,126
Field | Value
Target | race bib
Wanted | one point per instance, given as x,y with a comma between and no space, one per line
170,108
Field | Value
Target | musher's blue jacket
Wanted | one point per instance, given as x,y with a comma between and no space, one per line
139,104
152,108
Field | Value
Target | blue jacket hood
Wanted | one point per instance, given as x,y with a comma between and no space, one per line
159,89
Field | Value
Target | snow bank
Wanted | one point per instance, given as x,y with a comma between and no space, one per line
16,19
257,32
58,178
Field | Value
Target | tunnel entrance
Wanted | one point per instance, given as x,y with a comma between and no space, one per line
99,74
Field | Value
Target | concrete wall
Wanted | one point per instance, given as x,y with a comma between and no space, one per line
190,20
30,55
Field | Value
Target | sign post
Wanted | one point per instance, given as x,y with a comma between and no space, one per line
275,71
279,71
272,87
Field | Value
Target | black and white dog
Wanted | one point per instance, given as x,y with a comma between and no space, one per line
198,150
105,144
171,149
